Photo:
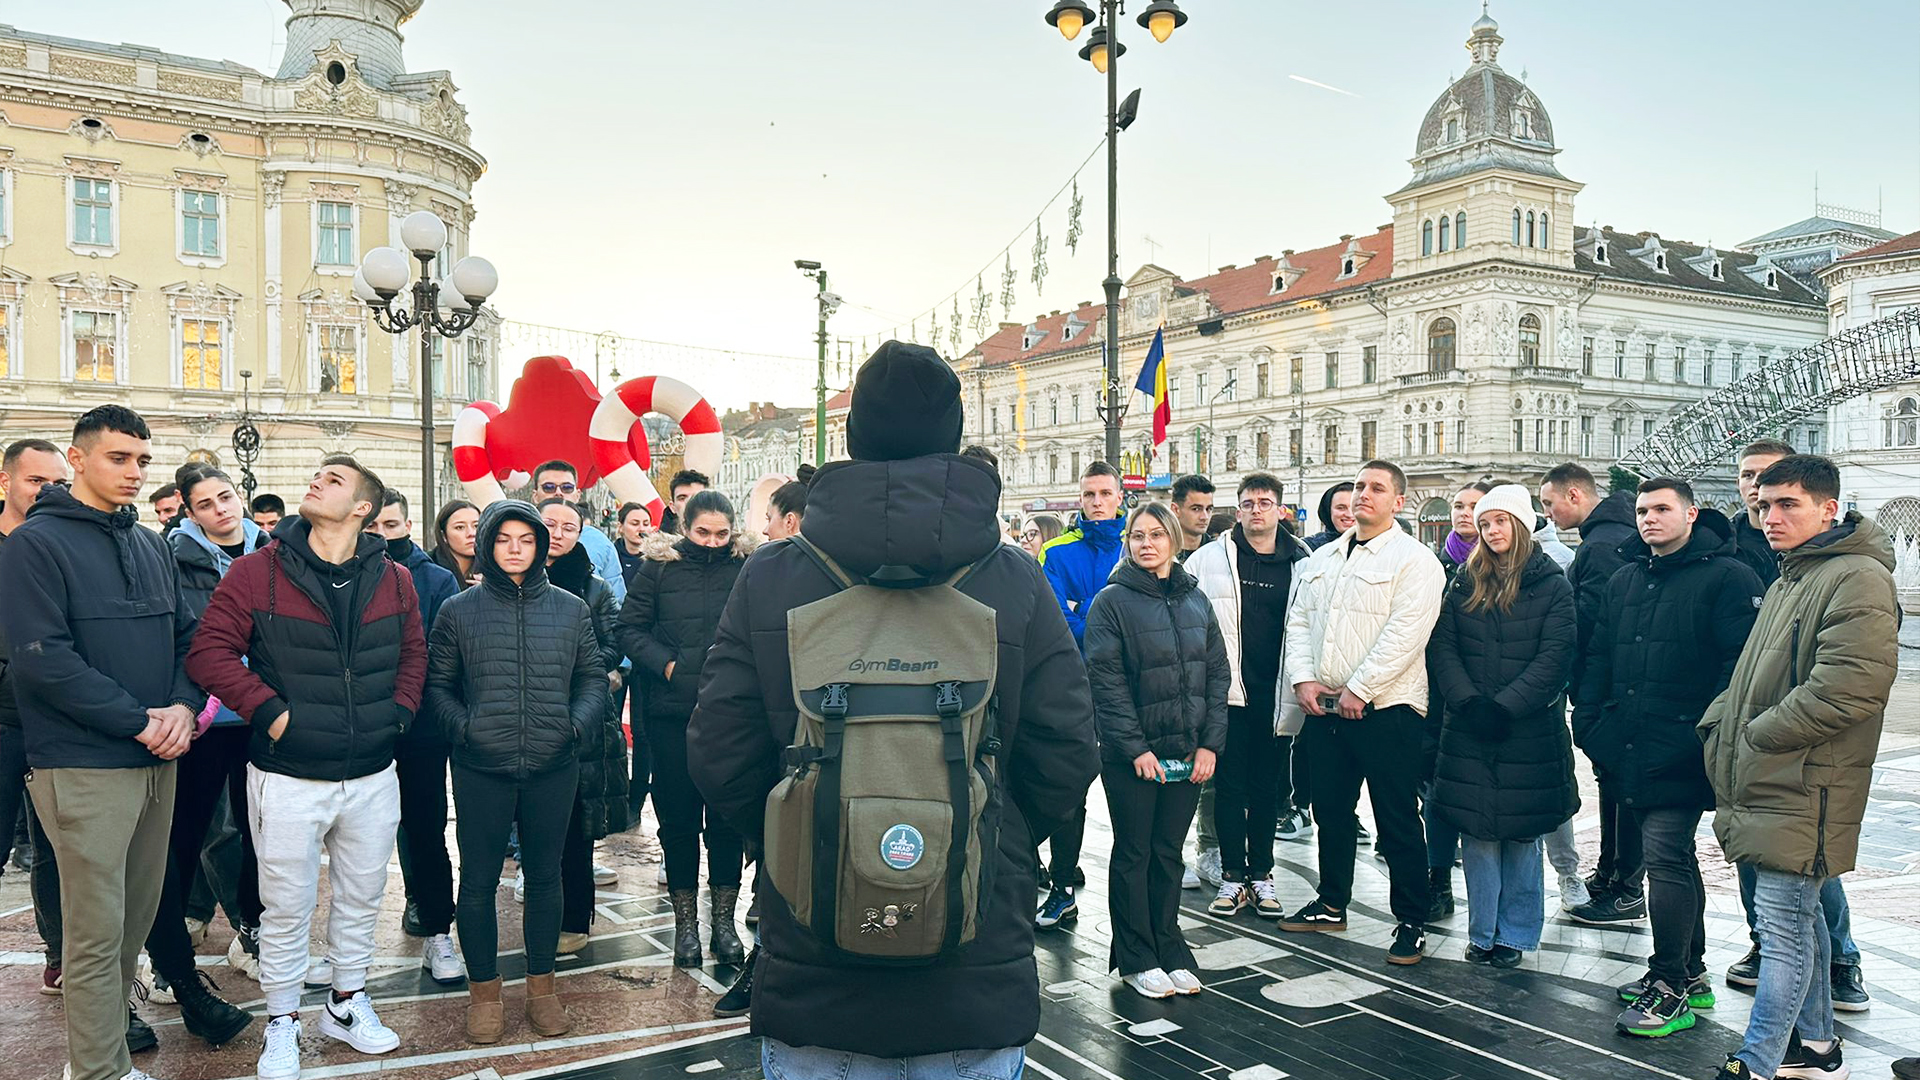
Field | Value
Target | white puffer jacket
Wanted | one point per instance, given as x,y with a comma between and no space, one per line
1362,620
1217,568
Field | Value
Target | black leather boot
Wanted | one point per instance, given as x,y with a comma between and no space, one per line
726,945
738,1000
686,927
1440,889
207,1016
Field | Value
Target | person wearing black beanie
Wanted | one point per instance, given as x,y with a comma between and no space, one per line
906,404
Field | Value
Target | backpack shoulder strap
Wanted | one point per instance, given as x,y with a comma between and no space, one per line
821,559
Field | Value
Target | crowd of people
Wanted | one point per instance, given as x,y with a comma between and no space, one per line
193,716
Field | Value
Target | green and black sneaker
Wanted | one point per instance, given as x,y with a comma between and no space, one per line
1699,991
1655,1014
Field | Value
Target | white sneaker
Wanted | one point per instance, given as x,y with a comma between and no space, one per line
1207,865
353,1022
66,1073
1189,880
1152,983
196,932
1184,981
319,974
437,956
519,888
1573,892
242,961
280,1057
604,875
660,876
162,993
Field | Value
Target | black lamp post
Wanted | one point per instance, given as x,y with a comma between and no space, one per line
1103,49
382,276
246,441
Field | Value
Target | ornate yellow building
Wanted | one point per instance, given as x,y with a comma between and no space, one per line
168,223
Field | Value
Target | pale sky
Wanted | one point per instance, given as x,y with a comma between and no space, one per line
656,167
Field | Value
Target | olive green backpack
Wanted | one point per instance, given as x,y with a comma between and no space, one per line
879,829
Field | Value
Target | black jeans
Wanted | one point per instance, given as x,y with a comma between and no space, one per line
640,780
489,806
684,817
1063,848
13,788
1622,860
1246,798
216,763
43,881
1676,895
576,877
1150,823
421,765
1382,749
218,883
1301,772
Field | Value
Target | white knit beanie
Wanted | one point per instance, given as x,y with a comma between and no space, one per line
1513,498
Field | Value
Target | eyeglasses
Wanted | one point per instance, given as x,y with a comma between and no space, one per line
568,529
563,489
1251,505
1030,534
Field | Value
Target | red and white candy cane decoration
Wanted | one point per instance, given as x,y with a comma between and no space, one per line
619,413
470,458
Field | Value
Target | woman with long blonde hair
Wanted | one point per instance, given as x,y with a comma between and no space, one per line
1501,657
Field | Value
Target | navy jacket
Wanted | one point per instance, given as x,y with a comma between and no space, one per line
435,584
1595,562
97,631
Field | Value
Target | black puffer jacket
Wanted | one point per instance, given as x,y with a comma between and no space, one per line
602,796
671,614
514,671
1596,560
1669,634
1506,763
1158,666
935,513
1751,548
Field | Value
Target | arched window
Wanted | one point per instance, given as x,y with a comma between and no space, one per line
1903,428
1529,228
1901,517
1516,226
1453,131
1426,238
1440,337
1546,231
1460,230
1529,341
1445,228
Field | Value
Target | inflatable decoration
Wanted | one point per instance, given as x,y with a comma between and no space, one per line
555,411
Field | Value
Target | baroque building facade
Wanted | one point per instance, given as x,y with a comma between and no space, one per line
168,223
1876,437
1480,333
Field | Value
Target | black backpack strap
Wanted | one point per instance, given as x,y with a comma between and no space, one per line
820,559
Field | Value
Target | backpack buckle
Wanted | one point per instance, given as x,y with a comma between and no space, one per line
833,699
946,698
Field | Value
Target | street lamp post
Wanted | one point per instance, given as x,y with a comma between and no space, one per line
829,303
1225,389
383,275
1104,49
246,440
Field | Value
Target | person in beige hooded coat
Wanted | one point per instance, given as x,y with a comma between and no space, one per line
1790,746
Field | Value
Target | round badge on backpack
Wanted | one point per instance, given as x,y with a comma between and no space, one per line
902,847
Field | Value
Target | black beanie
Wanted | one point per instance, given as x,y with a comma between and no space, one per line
906,404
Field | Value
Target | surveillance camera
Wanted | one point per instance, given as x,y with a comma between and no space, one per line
805,264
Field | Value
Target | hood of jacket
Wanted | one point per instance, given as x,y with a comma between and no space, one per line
191,544
491,519
295,535
1855,535
1101,536
1712,535
1172,587
57,501
572,571
1615,509
934,514
672,547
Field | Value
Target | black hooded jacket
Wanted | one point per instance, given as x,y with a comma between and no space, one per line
1594,562
937,514
1751,548
603,754
1505,770
514,670
1158,666
1670,631
96,628
672,612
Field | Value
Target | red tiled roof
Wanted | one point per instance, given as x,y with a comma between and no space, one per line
1896,246
1232,292
840,402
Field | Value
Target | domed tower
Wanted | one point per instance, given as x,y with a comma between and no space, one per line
1484,182
367,29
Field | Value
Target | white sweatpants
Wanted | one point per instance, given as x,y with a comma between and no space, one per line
291,818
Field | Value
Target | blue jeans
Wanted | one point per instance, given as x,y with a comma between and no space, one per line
782,1062
1506,896
1443,840
1795,990
1833,906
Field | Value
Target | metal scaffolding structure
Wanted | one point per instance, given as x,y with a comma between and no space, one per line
1702,435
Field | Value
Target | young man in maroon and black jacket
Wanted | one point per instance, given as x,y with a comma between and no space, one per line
316,641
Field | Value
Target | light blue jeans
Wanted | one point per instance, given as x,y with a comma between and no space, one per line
1506,897
1796,954
782,1062
1833,908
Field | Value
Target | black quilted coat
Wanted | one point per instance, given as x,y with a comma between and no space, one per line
514,671
1158,666
1668,636
1506,762
671,616
602,796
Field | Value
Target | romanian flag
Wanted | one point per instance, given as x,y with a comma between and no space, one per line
1153,383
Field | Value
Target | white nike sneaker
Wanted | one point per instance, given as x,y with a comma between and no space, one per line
605,875
437,956
353,1022
280,1057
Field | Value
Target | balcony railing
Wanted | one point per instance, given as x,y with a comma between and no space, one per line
1432,378
1570,376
